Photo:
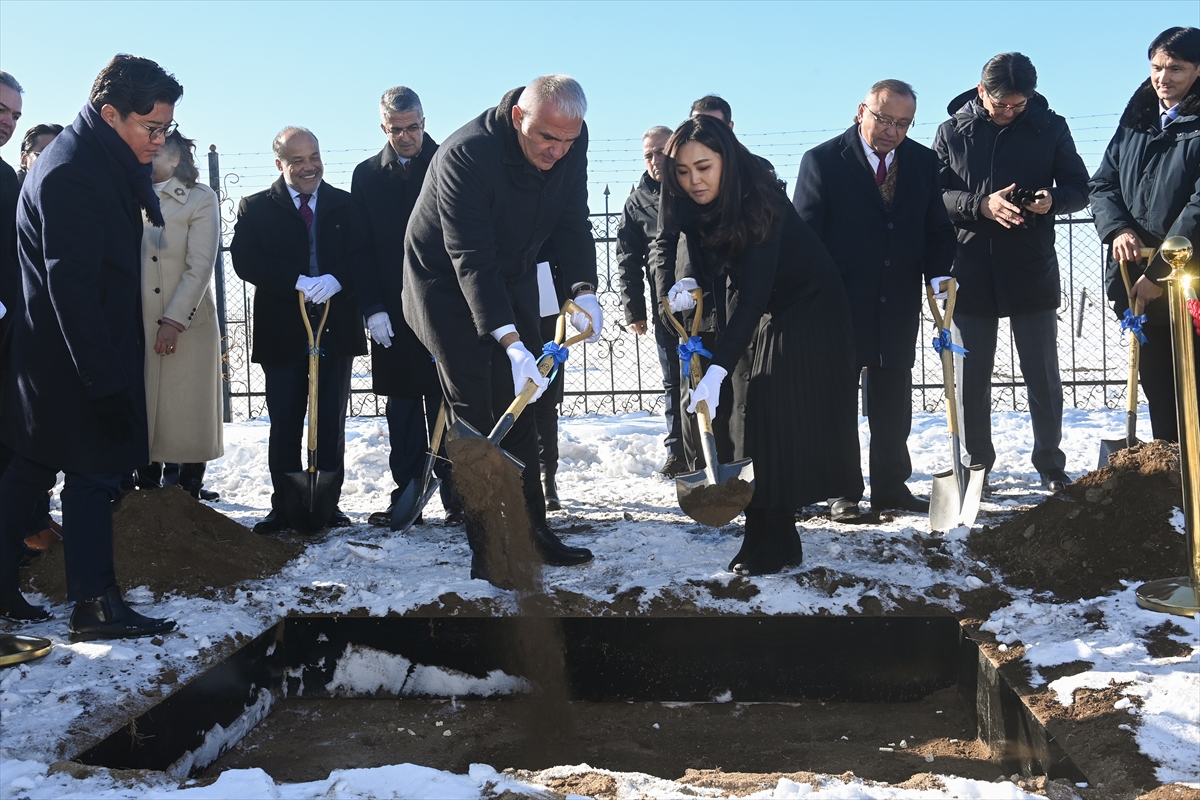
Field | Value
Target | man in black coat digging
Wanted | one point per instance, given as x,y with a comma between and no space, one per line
874,197
385,188
1146,190
74,400
496,190
1002,137
301,234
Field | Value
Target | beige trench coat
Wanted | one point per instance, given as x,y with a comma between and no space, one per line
183,389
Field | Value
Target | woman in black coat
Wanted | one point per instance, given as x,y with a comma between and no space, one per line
780,303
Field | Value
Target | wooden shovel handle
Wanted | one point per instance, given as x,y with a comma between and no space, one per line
314,344
943,323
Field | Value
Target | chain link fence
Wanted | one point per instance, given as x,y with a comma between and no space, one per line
621,373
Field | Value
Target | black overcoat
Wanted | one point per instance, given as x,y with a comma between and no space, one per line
884,257
78,336
385,194
1005,271
1149,180
10,272
270,250
635,234
471,249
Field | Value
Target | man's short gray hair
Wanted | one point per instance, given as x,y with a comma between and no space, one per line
8,80
657,131
399,100
285,134
561,91
893,86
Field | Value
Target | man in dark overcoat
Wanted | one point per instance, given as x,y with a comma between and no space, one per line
10,187
385,188
874,197
1002,136
496,190
300,235
74,399
1147,190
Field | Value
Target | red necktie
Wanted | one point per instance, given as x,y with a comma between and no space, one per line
306,213
881,170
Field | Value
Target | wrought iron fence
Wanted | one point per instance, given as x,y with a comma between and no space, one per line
621,372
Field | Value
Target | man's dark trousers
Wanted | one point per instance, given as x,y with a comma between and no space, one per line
287,404
887,404
480,400
667,342
87,521
410,425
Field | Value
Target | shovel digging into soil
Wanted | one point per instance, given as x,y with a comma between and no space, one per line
1133,323
954,500
716,494
412,502
308,499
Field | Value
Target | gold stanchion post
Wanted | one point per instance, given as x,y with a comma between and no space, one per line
1182,595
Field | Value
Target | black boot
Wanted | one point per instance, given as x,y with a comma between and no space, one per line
14,606
751,541
554,552
107,617
552,503
781,544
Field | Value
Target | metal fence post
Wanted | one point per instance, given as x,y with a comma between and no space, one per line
214,181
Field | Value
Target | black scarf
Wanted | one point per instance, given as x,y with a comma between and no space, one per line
139,174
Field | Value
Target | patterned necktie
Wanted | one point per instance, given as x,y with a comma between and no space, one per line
881,170
306,213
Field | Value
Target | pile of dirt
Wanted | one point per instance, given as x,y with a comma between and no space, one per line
1112,524
174,544
717,504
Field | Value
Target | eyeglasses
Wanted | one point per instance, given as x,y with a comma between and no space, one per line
1018,108
412,130
156,131
899,124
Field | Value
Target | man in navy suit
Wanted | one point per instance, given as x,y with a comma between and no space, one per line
875,199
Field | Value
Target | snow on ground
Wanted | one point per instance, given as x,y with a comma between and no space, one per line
608,482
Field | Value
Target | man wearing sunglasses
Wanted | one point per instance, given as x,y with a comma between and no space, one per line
874,197
1008,166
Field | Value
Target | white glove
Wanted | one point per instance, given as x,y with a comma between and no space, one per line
304,284
680,295
708,390
3,310
322,288
936,285
380,325
524,368
590,304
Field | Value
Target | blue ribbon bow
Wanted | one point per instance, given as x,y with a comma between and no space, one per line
558,354
942,342
316,351
692,347
1134,325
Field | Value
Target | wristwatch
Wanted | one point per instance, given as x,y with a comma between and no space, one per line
583,287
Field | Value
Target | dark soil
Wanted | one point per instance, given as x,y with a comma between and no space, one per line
717,504
1112,524
174,544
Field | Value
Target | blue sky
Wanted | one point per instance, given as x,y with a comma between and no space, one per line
793,72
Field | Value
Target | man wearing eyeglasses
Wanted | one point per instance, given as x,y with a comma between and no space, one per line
74,400
1008,166
385,188
874,197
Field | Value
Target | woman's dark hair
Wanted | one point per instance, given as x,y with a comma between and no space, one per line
1009,73
748,207
41,129
186,169
1180,43
132,85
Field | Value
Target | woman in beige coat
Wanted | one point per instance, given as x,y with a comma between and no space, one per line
183,342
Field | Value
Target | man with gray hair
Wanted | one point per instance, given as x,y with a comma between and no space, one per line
637,231
385,188
497,188
874,198
299,235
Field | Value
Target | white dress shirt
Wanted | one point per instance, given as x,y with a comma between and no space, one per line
873,159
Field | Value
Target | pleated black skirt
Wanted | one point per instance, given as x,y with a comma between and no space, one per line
802,410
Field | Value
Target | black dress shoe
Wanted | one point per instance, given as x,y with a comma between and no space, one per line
380,519
14,606
1056,481
673,467
272,523
340,520
107,617
555,553
209,496
552,503
455,515
900,502
844,511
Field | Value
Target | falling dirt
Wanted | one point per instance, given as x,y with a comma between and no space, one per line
174,544
1112,524
716,504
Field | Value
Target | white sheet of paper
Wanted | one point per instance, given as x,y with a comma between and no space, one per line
547,297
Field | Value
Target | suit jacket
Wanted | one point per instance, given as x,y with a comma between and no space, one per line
473,239
10,272
884,256
270,250
385,193
78,336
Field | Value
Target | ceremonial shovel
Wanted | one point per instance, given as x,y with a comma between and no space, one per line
1110,446
716,494
412,501
308,499
954,500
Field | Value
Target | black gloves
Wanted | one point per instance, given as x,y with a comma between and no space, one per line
117,415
